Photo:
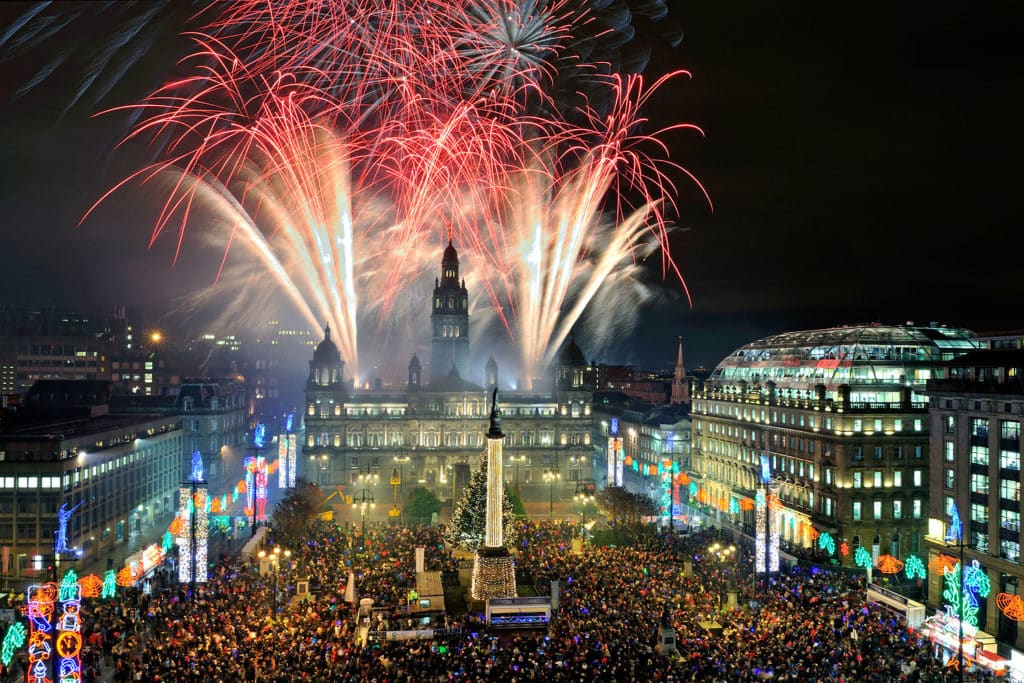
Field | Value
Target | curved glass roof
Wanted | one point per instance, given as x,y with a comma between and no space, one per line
868,357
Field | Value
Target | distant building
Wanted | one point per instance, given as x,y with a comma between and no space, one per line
47,343
432,434
65,447
841,416
658,387
656,441
976,415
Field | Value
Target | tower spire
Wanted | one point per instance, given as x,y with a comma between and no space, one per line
680,386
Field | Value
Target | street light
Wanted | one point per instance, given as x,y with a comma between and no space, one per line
516,460
361,503
275,561
368,478
724,554
585,496
551,476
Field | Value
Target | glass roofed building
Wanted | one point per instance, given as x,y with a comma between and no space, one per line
842,418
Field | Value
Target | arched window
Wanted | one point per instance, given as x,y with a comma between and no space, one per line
894,545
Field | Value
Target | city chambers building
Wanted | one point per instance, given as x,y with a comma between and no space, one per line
432,434
839,417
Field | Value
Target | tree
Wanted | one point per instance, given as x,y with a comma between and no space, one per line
292,515
625,508
421,503
518,509
468,520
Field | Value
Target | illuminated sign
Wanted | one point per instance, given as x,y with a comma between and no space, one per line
41,604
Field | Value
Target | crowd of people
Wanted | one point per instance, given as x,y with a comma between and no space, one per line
613,601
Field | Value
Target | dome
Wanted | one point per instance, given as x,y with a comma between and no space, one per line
572,354
326,351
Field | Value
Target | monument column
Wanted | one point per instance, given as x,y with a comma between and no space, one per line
494,572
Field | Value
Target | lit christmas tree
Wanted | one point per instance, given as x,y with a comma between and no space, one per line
466,526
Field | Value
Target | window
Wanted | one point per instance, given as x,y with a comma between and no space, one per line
979,513
858,453
916,507
950,478
949,449
897,478
828,476
918,452
1009,520
858,479
878,425
897,509
979,430
979,483
949,424
856,510
897,453
897,424
948,506
1009,550
1009,489
858,425
918,478
876,509
828,507
918,425
1009,460
877,479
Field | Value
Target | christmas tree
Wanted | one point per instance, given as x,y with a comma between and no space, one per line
466,526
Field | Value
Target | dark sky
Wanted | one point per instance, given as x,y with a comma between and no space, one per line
863,160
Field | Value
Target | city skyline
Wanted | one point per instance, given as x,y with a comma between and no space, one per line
849,168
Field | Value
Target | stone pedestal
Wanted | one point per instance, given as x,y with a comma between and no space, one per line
494,574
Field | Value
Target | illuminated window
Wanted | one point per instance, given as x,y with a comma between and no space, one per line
856,510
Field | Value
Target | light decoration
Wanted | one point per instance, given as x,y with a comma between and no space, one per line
194,528
247,487
962,595
746,505
827,543
914,567
844,549
955,532
693,488
767,525
942,564
91,586
14,638
862,558
109,585
60,542
1012,606
125,577
665,473
734,506
887,564
812,533
616,457
41,604
260,479
69,630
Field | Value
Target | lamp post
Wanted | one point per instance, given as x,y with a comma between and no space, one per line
551,476
275,563
361,502
584,496
723,553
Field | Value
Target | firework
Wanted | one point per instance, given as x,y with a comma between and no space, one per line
332,139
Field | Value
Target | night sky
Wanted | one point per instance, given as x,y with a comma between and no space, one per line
863,160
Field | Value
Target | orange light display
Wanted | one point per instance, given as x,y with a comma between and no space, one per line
91,586
941,564
887,564
1011,605
746,504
